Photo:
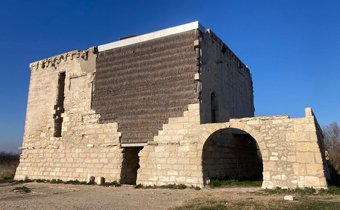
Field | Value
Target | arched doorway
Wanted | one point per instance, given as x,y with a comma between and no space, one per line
231,153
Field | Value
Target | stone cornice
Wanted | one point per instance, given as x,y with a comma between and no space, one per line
56,60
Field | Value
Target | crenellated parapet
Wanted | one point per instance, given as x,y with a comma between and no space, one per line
56,60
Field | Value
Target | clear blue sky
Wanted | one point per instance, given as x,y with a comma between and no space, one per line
291,46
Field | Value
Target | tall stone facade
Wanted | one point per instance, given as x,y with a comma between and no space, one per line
170,107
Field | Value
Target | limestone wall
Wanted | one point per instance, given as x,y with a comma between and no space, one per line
289,148
223,74
85,148
173,156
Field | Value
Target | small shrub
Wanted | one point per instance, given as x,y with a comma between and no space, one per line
24,181
234,183
169,186
332,189
56,181
40,180
110,184
22,189
75,182
174,186
195,188
139,186
298,191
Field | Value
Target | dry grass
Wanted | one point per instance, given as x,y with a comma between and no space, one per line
309,204
8,165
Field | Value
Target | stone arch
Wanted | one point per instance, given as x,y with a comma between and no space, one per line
210,130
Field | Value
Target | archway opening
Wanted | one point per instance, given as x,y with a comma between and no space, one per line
130,165
231,154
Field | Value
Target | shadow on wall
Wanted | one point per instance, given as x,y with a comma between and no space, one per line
231,154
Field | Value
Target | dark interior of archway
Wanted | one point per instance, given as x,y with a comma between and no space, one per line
130,165
231,154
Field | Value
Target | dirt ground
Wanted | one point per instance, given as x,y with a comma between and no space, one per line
61,196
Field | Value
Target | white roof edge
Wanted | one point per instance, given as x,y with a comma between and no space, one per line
134,145
152,35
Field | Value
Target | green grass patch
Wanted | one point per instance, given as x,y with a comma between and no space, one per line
234,183
22,189
332,190
75,182
6,180
174,186
111,184
168,186
56,181
297,191
24,181
260,205
41,180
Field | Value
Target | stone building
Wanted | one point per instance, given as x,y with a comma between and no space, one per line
171,106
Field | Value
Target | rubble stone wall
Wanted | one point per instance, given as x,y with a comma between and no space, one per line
289,148
85,148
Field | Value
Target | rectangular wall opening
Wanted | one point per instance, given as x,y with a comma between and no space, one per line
130,165
59,107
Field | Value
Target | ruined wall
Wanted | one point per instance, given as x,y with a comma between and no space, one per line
141,85
223,74
289,148
85,148
173,155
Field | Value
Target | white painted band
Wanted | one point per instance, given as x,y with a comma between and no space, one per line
134,145
152,35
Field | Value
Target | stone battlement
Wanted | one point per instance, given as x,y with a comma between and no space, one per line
56,60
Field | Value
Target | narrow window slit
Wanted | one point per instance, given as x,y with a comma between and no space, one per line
214,108
59,107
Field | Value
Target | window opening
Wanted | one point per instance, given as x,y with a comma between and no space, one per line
59,107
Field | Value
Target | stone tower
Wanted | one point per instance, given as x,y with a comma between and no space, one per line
171,106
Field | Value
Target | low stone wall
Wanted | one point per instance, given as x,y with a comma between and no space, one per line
172,156
289,147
